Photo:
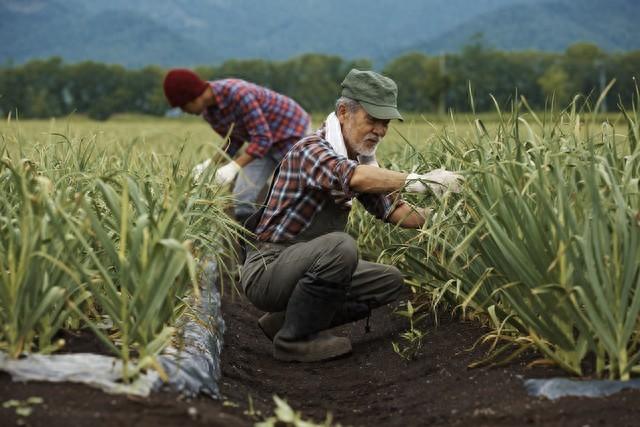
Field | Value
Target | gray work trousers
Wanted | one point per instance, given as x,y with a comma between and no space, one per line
251,179
271,273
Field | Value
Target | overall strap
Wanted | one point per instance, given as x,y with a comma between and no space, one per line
252,222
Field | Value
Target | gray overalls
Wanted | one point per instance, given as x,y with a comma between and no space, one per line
324,260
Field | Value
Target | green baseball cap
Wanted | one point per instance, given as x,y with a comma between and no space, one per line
376,93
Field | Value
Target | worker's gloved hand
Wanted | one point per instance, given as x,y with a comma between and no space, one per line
226,174
199,168
438,180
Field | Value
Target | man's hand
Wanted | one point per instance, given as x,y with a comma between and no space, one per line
226,174
199,168
438,180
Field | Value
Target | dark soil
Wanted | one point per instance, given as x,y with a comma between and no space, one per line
371,387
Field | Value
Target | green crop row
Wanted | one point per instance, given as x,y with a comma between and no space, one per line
102,238
543,244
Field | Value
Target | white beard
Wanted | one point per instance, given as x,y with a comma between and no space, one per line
368,152
363,149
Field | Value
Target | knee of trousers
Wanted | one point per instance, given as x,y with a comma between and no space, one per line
395,283
342,255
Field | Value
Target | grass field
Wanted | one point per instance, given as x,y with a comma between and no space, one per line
165,136
541,231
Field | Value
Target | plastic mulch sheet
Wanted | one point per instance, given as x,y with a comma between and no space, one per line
555,388
195,367
192,369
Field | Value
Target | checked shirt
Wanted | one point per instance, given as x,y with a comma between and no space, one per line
264,118
309,173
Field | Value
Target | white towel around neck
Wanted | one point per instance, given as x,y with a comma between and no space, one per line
333,134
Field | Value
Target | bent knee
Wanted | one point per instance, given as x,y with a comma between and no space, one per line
395,284
396,276
345,248
339,259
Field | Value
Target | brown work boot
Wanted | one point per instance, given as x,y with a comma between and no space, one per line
350,311
303,336
270,323
315,348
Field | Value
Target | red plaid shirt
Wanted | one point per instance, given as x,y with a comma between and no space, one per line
309,173
261,116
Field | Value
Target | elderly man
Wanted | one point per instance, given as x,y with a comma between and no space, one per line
304,270
269,121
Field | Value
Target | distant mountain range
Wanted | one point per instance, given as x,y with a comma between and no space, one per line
198,32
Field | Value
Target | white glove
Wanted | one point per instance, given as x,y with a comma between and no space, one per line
438,180
199,168
226,173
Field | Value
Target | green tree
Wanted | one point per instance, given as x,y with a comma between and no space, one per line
585,63
50,88
314,80
34,89
625,68
422,84
554,84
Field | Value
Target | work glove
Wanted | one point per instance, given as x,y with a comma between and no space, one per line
226,174
438,180
199,168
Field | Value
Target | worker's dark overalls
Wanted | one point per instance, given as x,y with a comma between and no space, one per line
317,278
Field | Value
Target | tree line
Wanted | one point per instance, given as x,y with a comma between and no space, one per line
431,84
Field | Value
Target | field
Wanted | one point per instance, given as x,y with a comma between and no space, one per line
533,274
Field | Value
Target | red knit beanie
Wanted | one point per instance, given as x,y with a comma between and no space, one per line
182,86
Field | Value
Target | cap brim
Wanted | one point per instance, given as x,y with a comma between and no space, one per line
381,112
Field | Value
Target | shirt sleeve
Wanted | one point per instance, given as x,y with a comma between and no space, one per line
322,168
380,205
260,139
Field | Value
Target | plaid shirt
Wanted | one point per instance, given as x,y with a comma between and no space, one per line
310,172
261,116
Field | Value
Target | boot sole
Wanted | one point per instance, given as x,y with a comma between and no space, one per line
315,357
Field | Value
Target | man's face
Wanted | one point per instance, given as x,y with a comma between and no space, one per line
198,105
362,133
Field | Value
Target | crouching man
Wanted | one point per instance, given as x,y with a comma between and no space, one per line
304,270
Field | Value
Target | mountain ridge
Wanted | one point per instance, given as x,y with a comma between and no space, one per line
207,32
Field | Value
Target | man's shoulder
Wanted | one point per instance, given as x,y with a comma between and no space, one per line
231,88
230,82
313,141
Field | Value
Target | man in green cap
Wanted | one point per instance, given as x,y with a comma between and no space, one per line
304,270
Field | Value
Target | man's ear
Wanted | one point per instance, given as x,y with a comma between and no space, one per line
342,113
210,98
